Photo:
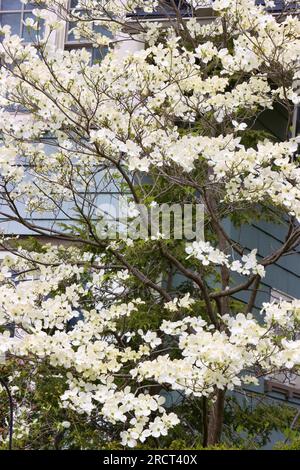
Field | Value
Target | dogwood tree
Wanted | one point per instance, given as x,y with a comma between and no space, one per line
171,122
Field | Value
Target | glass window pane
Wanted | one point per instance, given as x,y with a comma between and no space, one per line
28,34
31,34
31,6
70,35
13,20
102,30
11,5
99,53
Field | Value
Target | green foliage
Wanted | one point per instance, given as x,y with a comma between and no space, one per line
39,418
184,445
29,243
294,445
250,420
181,444
251,137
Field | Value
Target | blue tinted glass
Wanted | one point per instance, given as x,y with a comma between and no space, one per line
74,3
96,28
11,5
99,53
31,6
72,24
102,30
31,34
13,20
70,35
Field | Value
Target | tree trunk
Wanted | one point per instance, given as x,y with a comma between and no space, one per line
215,422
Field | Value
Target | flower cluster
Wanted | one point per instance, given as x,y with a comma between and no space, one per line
207,255
211,358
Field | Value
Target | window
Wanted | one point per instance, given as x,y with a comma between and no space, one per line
98,53
14,13
72,43
285,384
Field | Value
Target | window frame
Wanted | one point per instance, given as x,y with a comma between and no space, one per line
83,43
22,11
286,384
